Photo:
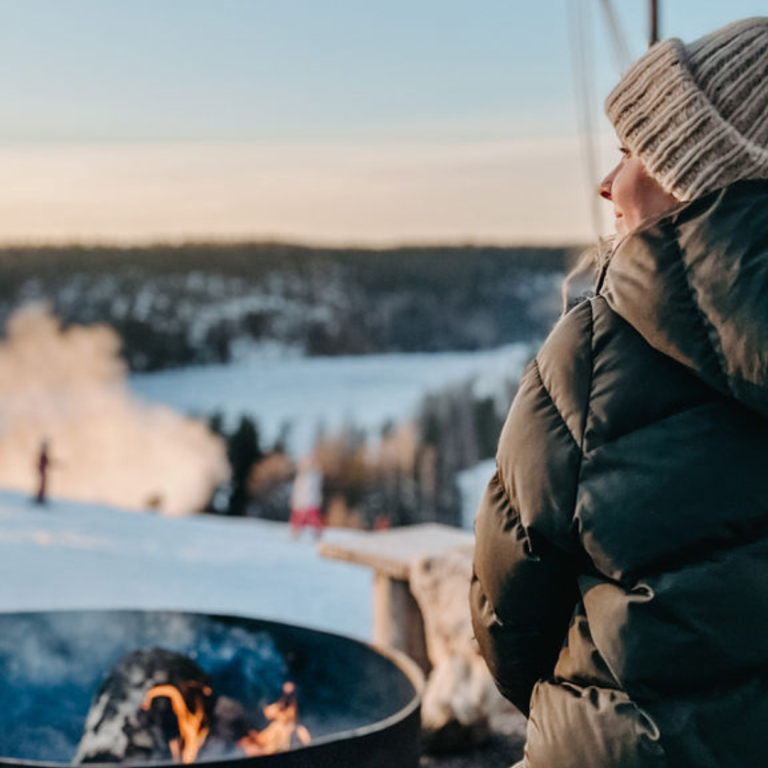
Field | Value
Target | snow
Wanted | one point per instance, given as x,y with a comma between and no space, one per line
472,485
69,555
366,391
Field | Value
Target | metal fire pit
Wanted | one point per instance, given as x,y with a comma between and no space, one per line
361,706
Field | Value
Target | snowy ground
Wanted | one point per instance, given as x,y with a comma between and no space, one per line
69,555
306,392
472,485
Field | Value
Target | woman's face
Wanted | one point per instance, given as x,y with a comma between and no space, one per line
636,197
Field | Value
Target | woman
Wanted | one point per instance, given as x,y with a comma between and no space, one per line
620,593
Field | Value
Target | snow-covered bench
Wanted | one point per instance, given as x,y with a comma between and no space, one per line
397,619
421,607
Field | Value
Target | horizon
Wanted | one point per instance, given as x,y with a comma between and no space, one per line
295,243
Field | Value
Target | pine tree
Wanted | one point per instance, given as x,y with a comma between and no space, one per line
244,451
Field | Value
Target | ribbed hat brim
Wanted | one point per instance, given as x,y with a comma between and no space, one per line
664,117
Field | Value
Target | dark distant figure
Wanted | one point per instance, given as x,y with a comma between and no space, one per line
43,464
154,503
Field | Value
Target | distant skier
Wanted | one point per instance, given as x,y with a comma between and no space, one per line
307,497
43,465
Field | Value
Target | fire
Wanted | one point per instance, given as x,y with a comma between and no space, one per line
193,725
283,726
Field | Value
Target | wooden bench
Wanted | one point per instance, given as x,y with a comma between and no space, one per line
397,620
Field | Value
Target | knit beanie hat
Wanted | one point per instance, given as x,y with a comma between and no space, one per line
697,115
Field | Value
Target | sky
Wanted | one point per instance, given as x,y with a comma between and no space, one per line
338,121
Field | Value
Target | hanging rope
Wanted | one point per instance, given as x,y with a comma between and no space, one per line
580,24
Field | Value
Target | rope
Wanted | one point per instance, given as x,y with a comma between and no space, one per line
579,22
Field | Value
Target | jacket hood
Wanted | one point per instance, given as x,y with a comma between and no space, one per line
694,284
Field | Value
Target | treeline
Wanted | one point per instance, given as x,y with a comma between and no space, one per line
408,474
205,303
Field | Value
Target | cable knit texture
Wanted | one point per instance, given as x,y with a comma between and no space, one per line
697,114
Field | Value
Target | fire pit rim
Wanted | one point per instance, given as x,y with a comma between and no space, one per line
406,665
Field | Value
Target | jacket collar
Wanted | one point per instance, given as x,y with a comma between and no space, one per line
694,284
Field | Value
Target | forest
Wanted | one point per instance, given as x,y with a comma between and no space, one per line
177,305
406,475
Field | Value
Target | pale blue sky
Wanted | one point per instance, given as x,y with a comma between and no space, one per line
251,69
347,82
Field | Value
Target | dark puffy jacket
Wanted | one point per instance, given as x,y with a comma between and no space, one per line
621,565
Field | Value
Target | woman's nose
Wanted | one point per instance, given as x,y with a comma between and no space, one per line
606,185
604,190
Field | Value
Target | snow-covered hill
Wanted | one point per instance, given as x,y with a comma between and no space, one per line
208,303
366,391
69,555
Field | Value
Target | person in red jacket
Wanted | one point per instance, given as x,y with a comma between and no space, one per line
307,498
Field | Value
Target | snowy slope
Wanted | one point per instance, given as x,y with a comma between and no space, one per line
367,390
472,485
70,555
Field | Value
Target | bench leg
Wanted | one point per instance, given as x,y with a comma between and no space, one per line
397,620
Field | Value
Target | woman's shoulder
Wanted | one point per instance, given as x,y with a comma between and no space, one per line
566,361
605,379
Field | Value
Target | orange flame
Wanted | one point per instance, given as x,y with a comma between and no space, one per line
283,726
193,726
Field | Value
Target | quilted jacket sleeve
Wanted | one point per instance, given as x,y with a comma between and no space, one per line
524,582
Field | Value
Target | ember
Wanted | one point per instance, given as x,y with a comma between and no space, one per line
283,726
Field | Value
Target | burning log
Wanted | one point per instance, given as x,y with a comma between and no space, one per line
157,705
134,715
